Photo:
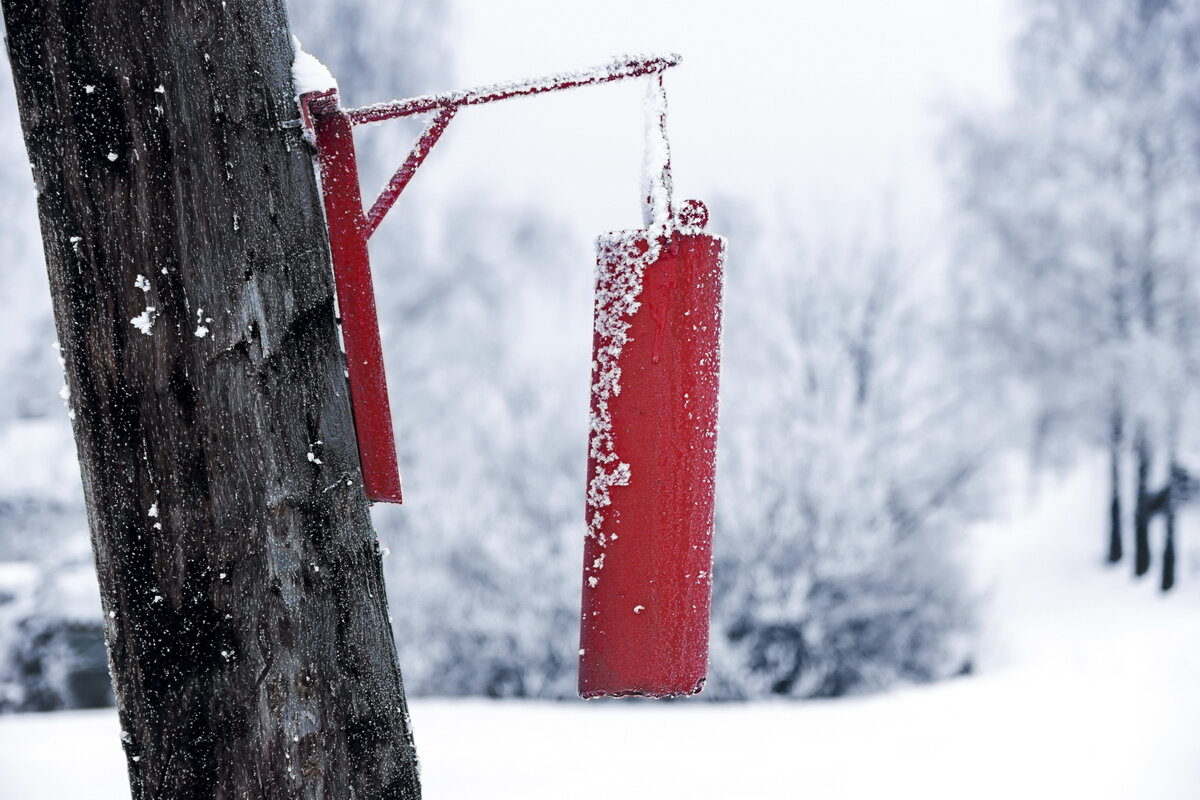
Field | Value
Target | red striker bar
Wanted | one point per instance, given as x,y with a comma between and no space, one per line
348,232
651,464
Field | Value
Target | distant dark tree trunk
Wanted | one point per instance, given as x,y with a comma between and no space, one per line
249,642
1116,436
1170,512
1143,511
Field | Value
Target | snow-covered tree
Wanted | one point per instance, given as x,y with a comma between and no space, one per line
848,462
490,383
1079,206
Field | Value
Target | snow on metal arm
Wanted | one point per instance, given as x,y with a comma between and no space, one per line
619,68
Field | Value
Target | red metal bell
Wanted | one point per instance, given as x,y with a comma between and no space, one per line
652,462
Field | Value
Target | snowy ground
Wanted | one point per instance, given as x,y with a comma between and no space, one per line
1089,688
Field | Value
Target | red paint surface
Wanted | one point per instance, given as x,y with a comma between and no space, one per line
348,232
644,628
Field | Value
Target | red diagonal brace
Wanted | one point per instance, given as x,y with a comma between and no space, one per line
425,143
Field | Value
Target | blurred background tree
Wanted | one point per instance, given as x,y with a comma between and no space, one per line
1076,277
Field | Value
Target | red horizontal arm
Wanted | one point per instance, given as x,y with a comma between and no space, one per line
615,70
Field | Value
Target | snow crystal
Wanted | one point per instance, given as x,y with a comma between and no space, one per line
153,512
158,598
89,88
160,89
638,609
592,581
309,74
201,328
112,156
145,320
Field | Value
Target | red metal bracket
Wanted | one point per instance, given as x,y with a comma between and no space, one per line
331,129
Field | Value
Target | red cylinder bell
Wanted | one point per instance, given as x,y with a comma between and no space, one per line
652,463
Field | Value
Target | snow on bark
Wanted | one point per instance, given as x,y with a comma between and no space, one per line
145,320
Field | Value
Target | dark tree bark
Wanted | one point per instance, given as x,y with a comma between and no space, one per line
243,596
1142,512
1116,437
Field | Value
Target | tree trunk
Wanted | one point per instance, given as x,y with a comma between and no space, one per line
1115,444
1142,513
248,635
1170,513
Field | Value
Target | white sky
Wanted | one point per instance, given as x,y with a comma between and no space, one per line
830,106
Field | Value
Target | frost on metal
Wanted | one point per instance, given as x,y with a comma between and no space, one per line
617,68
621,266
656,166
